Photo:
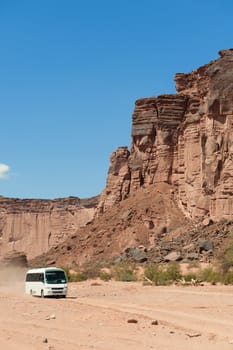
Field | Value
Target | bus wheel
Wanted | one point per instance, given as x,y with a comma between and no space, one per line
42,294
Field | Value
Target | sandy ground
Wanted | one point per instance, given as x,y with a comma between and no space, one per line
95,316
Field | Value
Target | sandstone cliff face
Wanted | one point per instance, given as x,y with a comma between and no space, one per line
33,226
178,172
184,140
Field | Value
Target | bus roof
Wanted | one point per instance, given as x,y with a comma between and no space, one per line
44,269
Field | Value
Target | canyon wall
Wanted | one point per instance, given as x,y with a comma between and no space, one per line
33,226
182,139
180,142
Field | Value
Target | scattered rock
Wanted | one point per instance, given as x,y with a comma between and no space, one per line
127,214
193,335
149,224
205,245
51,317
207,222
136,254
155,323
45,340
173,256
132,320
189,248
192,256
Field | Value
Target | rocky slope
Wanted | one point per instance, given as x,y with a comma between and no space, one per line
147,226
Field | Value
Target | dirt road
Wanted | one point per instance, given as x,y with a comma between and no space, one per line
96,315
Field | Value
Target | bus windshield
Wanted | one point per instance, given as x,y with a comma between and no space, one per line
55,277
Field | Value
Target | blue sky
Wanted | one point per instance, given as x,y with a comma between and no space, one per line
70,72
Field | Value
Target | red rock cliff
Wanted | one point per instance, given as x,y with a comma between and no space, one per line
183,139
33,226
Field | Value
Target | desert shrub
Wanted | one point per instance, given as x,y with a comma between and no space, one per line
172,272
152,272
105,276
190,276
226,256
124,272
210,275
227,278
92,270
161,275
77,277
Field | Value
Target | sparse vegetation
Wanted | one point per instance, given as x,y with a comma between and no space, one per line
77,277
210,275
74,276
190,277
227,278
124,272
226,256
162,275
159,274
105,276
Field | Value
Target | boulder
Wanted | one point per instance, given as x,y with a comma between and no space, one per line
173,256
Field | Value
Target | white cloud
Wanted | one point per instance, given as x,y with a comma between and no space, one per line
4,171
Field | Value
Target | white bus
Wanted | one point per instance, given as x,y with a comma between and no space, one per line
47,281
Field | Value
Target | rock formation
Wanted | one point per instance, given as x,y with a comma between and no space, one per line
182,139
33,226
167,195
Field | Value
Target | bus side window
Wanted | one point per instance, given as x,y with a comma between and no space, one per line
35,277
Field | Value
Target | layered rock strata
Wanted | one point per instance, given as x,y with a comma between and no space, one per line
182,139
33,226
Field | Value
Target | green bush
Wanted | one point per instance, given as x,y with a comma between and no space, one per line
124,272
78,277
105,276
190,276
161,275
227,278
210,275
152,272
172,272
226,257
